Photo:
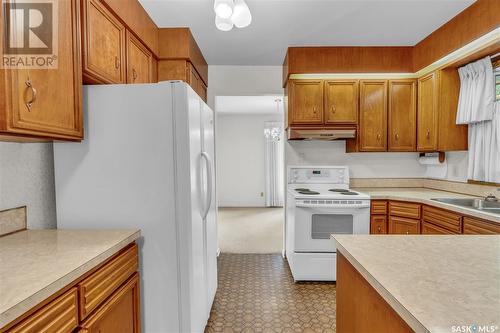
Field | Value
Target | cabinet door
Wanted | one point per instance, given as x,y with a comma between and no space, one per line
120,313
103,45
403,226
373,116
402,115
341,102
139,61
306,102
378,224
474,226
47,102
431,229
427,125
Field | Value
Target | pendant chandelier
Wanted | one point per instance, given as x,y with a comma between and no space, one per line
230,13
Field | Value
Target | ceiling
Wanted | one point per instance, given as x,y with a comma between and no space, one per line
249,104
278,24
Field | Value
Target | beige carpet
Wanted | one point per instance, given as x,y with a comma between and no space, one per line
250,230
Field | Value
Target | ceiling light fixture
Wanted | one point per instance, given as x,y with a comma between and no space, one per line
229,13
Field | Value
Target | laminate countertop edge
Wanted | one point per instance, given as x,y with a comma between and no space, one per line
17,310
384,293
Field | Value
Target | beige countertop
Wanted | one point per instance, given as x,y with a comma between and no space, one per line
34,264
424,195
432,282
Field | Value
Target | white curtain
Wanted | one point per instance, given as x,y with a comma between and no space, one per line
273,133
477,108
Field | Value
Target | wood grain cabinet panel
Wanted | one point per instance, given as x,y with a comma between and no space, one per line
404,209
378,224
120,313
373,115
139,61
427,114
100,285
341,102
431,229
443,218
403,226
60,315
46,103
103,45
305,102
474,226
402,115
378,207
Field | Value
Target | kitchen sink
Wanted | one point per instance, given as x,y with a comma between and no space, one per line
473,203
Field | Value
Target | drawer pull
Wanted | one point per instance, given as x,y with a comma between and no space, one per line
117,63
378,229
428,134
397,136
29,104
333,109
134,74
379,137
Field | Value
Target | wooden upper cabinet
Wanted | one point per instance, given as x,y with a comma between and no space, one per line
341,102
139,61
373,115
103,45
402,115
46,102
306,102
427,115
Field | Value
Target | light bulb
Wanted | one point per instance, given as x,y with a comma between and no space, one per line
224,8
241,14
223,24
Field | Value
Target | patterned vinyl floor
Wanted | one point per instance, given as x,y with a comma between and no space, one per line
256,293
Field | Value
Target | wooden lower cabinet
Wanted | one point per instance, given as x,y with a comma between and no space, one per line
106,300
378,225
431,229
120,313
404,209
442,218
473,226
60,315
360,308
403,226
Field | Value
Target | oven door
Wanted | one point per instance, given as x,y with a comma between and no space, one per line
315,225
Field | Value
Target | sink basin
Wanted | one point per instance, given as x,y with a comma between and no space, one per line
473,203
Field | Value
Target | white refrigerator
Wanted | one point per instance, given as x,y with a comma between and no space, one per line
147,162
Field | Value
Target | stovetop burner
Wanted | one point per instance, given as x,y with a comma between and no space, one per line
302,189
338,190
308,192
348,193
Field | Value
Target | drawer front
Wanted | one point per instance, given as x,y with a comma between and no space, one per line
403,226
431,229
60,315
404,209
442,218
100,285
474,226
378,224
379,207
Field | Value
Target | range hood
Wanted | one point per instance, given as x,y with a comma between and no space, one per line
324,134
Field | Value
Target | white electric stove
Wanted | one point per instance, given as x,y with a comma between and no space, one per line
319,204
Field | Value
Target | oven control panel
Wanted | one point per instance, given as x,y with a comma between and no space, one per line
327,203
318,175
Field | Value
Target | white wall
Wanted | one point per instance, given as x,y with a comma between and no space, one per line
243,81
241,159
27,179
362,165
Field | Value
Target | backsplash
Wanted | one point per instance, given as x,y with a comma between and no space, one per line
12,220
27,179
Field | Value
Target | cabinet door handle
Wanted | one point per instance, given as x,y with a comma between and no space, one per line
397,136
117,63
134,75
379,137
314,110
29,104
428,134
333,109
378,229
407,232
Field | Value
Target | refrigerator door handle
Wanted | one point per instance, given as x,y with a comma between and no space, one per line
208,203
